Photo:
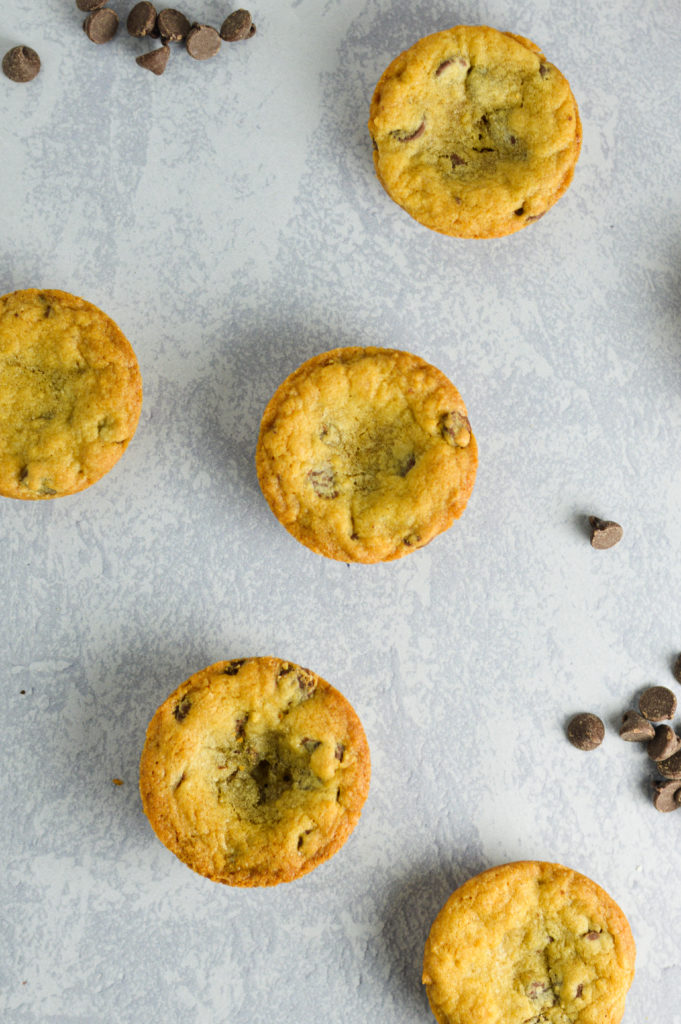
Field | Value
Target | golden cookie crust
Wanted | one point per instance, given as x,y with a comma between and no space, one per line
365,454
254,771
475,133
70,394
529,943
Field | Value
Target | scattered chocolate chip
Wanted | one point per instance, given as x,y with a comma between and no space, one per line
182,708
671,767
657,703
101,26
203,42
141,21
155,61
21,64
520,211
636,728
664,743
237,25
604,533
676,669
172,25
323,482
89,5
585,731
667,795
456,160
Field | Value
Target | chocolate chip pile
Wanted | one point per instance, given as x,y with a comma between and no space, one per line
169,25
649,724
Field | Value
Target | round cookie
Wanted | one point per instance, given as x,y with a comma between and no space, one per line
365,454
254,771
529,943
70,394
475,133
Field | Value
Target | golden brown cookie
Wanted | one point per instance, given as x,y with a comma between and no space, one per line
475,133
70,394
365,454
254,771
529,943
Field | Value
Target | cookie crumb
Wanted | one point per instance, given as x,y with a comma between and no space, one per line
117,782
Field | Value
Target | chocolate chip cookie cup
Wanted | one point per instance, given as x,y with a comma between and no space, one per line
475,133
70,394
528,943
366,454
254,771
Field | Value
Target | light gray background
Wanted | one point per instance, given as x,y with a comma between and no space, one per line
227,217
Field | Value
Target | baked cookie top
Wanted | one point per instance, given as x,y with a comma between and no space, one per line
254,771
529,943
366,453
475,133
70,394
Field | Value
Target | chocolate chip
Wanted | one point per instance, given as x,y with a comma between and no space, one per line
339,752
310,745
233,666
89,5
172,25
441,67
413,135
664,743
667,795
543,70
306,681
455,429
604,533
238,25
323,482
520,211
676,669
456,160
636,728
657,703
101,26
155,61
141,21
21,64
181,709
671,767
203,42
585,731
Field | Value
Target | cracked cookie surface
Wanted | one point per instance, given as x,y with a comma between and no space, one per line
365,454
475,133
529,943
70,394
254,771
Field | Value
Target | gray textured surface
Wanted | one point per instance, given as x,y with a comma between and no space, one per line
227,217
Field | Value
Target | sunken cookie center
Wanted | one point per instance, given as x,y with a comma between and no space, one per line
262,777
